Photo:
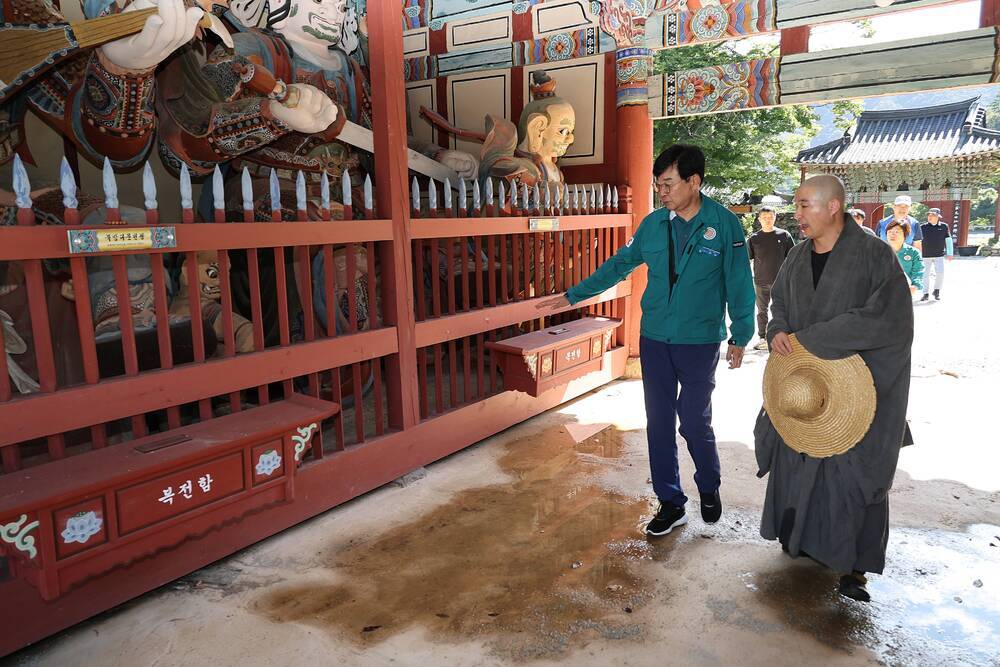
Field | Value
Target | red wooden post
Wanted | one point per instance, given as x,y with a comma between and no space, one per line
989,13
965,215
160,297
635,170
871,214
41,332
389,110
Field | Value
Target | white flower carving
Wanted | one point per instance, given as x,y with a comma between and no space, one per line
81,527
268,462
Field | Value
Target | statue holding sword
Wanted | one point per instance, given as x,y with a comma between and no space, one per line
284,96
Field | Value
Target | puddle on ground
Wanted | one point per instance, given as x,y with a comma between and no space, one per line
528,561
938,601
537,565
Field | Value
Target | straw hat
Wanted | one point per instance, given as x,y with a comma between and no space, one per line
820,407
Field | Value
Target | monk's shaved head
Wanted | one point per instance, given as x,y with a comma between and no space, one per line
826,188
819,209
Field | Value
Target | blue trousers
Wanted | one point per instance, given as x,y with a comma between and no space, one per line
692,367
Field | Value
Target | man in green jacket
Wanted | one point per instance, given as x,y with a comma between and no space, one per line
698,266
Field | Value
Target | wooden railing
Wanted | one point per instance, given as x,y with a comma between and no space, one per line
479,271
135,373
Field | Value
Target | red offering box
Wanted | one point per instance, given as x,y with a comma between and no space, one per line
542,360
78,518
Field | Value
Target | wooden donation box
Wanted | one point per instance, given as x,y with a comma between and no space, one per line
78,518
538,361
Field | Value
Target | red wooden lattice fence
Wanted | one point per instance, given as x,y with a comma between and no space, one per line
382,365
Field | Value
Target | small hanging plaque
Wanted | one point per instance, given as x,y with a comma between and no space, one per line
121,238
543,224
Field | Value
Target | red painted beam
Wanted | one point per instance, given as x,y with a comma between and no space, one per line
795,40
65,410
319,485
451,327
48,242
431,228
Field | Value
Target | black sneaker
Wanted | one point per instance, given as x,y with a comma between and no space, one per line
711,507
668,517
937,295
853,586
925,297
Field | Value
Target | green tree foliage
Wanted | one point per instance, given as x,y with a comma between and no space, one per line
866,28
993,114
986,205
845,112
918,211
746,151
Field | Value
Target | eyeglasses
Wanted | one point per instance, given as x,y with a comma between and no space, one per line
667,187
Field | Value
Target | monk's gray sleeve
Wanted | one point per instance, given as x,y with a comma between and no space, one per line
779,302
886,316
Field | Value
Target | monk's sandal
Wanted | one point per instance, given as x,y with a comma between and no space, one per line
668,516
853,586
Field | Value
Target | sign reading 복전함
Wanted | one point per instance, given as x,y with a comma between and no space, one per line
178,492
121,238
543,224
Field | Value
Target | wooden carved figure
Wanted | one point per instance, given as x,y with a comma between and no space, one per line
210,294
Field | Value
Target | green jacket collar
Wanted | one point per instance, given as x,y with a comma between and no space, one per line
702,218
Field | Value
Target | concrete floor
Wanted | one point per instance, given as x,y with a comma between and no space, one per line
527,548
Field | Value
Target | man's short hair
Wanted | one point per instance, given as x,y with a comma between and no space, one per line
857,213
768,209
902,224
688,159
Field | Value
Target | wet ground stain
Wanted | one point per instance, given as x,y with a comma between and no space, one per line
937,602
526,565
552,559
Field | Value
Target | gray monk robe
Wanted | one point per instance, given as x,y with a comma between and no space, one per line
836,509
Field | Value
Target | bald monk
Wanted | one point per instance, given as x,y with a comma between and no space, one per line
840,292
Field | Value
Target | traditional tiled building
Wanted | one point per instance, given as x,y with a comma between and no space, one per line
938,155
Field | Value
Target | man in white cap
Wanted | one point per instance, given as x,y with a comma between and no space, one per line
841,293
938,245
901,212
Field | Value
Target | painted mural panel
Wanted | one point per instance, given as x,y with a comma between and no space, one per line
416,43
471,97
581,83
479,32
564,16
681,24
556,30
420,94
970,58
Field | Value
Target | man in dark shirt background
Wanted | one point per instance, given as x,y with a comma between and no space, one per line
937,246
768,249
